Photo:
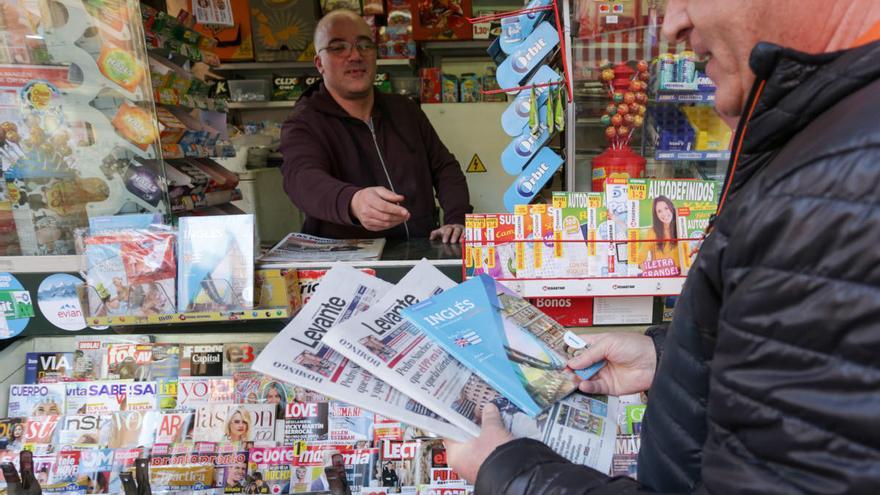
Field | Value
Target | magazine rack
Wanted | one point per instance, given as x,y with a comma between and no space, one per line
618,286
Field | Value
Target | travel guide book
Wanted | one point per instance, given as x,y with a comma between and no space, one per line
468,322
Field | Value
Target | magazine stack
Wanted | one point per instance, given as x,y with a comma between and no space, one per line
207,423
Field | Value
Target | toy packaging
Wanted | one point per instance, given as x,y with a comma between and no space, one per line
431,87
396,37
450,88
216,263
469,88
442,20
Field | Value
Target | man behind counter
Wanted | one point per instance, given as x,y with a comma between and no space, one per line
360,163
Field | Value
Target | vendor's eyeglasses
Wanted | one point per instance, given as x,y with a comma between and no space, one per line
343,48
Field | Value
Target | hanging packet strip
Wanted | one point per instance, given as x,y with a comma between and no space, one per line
470,323
527,57
532,179
518,153
516,117
516,29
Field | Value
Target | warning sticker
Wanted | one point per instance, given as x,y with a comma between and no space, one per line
476,165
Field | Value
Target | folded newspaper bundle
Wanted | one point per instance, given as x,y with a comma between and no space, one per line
365,341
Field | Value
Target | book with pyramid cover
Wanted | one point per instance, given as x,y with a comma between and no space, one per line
216,263
476,325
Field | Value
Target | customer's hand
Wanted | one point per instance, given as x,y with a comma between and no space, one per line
465,458
376,208
449,233
630,362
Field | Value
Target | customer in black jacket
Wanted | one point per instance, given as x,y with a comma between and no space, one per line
768,378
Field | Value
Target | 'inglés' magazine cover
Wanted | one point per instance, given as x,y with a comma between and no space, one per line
298,355
467,321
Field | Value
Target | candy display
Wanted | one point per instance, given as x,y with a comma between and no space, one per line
628,95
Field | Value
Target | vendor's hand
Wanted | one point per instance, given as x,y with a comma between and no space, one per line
449,233
465,458
376,208
630,362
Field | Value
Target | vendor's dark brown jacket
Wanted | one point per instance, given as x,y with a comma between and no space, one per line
330,155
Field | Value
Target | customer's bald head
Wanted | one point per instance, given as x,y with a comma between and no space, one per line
341,16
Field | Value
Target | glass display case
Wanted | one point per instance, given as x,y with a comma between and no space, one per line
78,131
680,135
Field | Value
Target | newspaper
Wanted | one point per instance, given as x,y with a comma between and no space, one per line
396,351
303,247
298,355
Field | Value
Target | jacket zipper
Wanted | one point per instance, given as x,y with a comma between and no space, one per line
743,128
384,168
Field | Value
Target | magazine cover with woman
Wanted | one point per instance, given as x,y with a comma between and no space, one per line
669,210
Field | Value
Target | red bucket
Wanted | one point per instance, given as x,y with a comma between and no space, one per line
617,163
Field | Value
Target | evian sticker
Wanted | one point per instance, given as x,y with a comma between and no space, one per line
57,300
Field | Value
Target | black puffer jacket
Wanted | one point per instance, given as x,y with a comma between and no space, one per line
769,379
